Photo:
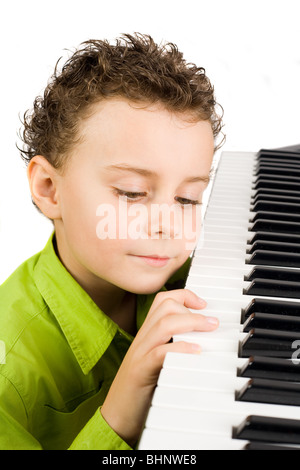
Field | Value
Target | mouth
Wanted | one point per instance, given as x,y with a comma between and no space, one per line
153,260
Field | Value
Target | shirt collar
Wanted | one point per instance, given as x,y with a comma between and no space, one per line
87,329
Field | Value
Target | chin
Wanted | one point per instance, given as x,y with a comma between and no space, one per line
146,288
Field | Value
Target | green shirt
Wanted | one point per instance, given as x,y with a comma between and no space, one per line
60,354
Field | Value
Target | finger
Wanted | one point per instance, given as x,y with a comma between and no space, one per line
162,317
157,356
173,302
185,297
169,325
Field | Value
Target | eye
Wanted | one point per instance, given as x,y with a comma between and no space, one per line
185,202
129,195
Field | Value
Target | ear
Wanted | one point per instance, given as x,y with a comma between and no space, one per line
43,179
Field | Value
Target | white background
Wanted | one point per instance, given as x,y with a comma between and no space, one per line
250,50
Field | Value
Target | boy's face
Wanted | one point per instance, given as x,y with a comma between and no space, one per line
125,211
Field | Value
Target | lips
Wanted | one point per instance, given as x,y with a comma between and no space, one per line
154,260
155,256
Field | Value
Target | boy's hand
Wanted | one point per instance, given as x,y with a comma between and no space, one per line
127,403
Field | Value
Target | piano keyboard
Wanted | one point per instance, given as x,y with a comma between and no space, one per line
243,390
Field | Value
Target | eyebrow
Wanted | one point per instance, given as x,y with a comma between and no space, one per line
149,173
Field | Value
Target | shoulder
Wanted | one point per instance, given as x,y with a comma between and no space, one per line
20,301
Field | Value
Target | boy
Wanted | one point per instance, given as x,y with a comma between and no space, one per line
87,322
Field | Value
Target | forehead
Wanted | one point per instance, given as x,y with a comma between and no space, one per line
144,136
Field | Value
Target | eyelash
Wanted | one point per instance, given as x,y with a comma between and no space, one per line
132,197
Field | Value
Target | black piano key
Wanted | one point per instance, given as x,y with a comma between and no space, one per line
273,288
286,151
265,272
276,392
271,343
275,258
282,152
263,183
263,170
275,198
275,206
272,245
277,177
282,216
274,236
286,163
269,225
265,429
270,306
270,368
271,321
276,192
254,445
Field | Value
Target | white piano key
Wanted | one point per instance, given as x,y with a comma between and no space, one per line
221,199
218,282
229,214
209,258
230,187
203,381
229,246
220,293
223,294
240,224
209,422
227,283
230,190
225,245
190,421
217,403
239,157
157,439
223,253
225,305
230,207
213,362
218,236
225,338
238,207
230,317
228,173
219,262
201,270
214,226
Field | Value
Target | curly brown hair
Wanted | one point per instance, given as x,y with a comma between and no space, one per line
135,68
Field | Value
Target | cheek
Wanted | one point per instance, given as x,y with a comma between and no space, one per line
121,221
192,223
78,211
110,222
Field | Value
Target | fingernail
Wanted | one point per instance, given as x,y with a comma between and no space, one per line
212,320
202,302
196,348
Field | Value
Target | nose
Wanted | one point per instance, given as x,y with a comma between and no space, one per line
164,221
